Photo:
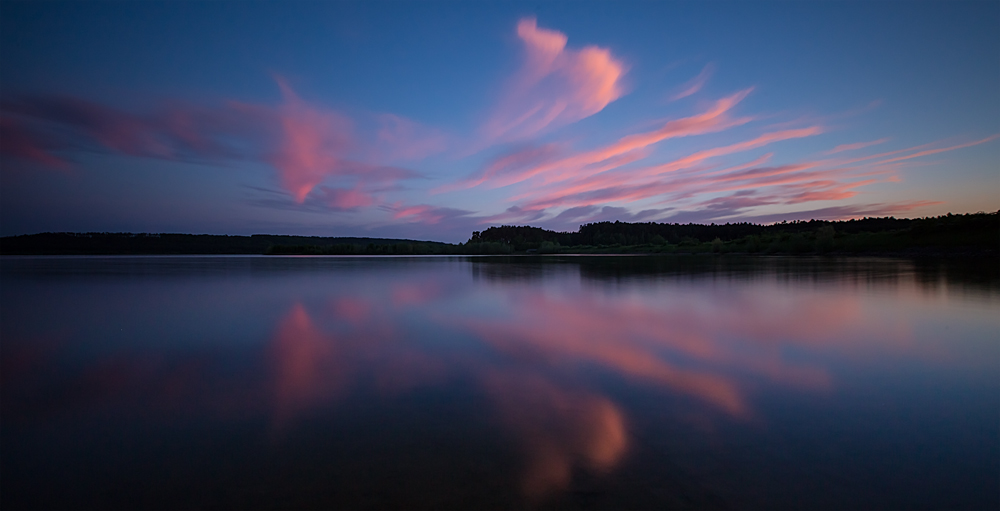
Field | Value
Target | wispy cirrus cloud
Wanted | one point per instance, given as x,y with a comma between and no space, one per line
528,163
695,84
555,86
569,219
576,186
427,214
941,149
506,164
855,146
644,182
844,212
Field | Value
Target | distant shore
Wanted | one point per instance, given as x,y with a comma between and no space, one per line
969,235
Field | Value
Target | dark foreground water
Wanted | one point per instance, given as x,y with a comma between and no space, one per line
561,382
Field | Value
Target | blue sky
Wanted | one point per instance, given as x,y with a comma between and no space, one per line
432,119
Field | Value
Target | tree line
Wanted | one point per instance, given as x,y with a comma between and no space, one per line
974,231
97,243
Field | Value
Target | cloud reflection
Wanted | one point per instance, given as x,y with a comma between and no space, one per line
535,344
558,428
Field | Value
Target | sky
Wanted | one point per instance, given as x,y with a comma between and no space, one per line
429,120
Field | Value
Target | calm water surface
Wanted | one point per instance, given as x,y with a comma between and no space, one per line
558,382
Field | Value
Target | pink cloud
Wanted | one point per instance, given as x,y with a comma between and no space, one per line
845,212
600,160
941,150
824,190
581,185
511,163
914,148
114,129
760,141
556,85
713,120
346,199
427,214
305,143
633,185
312,144
855,146
695,84
513,214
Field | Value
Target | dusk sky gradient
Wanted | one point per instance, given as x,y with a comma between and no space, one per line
428,120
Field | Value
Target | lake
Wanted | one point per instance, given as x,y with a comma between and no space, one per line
499,382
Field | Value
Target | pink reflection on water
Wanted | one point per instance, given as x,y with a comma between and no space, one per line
712,346
307,372
558,428
647,342
355,310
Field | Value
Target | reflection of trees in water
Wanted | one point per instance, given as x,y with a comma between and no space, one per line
514,269
974,274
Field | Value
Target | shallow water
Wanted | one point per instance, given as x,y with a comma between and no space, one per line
514,382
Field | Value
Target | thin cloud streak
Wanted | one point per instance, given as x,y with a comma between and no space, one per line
941,150
845,212
427,214
809,181
712,120
695,84
639,179
855,146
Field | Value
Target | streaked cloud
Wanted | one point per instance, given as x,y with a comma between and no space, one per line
427,214
941,150
644,182
695,84
844,212
306,144
519,167
855,146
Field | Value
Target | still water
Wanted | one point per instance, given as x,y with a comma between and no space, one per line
532,382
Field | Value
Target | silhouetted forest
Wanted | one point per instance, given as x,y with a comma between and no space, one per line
96,243
972,234
975,232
